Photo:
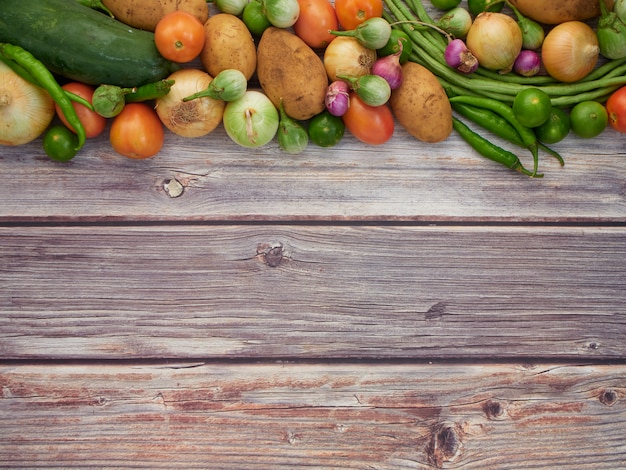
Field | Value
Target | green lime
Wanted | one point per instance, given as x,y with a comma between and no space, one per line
478,6
393,45
326,130
556,127
254,18
532,107
60,143
589,119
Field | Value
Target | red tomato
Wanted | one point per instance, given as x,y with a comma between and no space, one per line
616,106
137,132
316,18
179,36
352,13
93,123
370,124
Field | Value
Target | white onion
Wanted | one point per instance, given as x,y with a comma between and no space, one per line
193,118
26,110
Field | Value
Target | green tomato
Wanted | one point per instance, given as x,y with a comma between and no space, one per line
478,6
392,45
326,130
254,18
532,107
589,119
555,129
445,4
60,143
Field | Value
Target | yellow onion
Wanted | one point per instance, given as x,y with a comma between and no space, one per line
25,109
194,118
570,51
495,39
346,56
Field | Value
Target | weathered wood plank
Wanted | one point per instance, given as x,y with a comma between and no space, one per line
290,415
312,292
401,180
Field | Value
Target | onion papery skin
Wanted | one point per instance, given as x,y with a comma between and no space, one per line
346,56
194,118
570,51
26,110
337,98
495,39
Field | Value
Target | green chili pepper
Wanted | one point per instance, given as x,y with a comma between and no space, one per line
428,51
44,78
149,91
22,72
526,134
79,99
19,70
490,121
109,100
490,150
499,126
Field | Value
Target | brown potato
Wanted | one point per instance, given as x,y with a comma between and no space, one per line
421,106
559,11
290,70
145,14
228,44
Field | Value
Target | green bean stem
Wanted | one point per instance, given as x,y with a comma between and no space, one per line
428,51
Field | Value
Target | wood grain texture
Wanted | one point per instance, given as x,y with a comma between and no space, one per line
324,416
402,180
312,292
407,306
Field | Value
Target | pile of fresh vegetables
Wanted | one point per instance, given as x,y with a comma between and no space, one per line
304,71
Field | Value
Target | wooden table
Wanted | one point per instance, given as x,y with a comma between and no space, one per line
358,307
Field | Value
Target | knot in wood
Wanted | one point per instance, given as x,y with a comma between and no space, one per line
173,188
436,311
493,409
272,254
608,397
444,446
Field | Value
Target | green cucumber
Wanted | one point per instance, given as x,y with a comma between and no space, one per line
82,44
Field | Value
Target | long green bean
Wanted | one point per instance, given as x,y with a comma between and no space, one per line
495,92
428,52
